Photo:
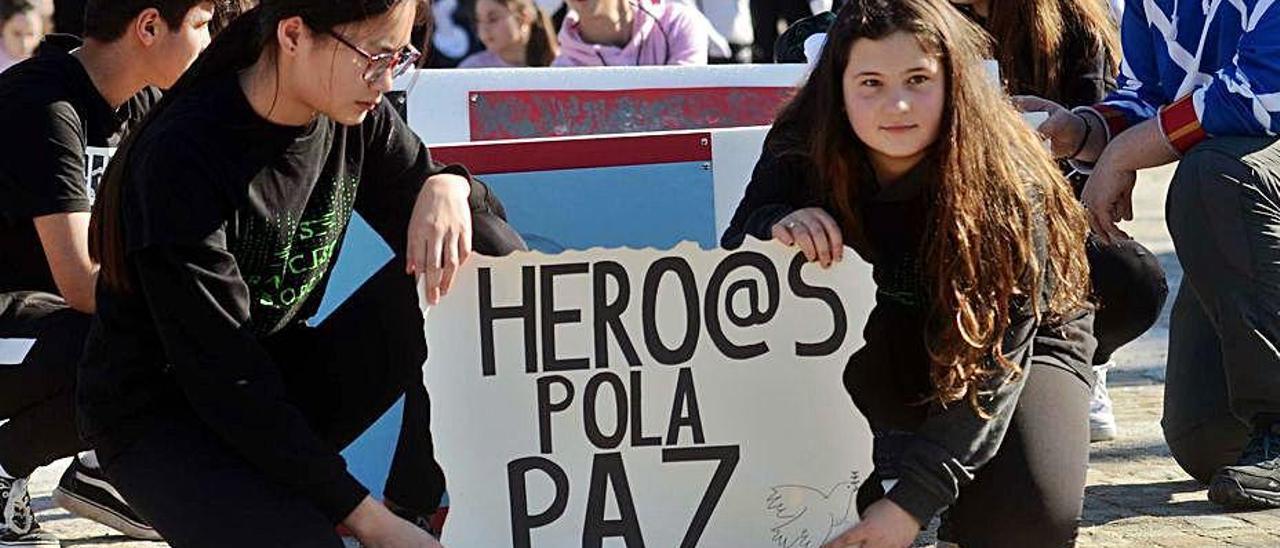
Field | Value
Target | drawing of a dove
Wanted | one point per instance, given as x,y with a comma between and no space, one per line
811,516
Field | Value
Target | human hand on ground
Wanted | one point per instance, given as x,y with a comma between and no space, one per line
883,525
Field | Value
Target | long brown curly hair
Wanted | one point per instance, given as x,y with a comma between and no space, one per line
1030,35
994,184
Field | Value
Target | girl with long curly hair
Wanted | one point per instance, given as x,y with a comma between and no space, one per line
980,341
1068,51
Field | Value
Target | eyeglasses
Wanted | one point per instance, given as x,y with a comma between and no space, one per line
398,62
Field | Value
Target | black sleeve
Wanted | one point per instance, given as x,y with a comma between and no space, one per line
396,164
200,307
954,441
42,168
779,185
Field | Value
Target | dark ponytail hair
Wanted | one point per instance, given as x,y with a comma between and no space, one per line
237,47
542,47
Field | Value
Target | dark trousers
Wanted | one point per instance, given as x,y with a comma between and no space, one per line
1223,374
37,396
1130,289
1031,492
765,15
343,375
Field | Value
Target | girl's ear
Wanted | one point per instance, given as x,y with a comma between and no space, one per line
291,33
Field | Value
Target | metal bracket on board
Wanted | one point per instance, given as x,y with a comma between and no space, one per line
399,102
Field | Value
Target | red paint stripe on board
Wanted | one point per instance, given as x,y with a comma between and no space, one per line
529,114
553,154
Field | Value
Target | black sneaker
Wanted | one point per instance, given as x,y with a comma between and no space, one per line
1254,481
86,492
18,525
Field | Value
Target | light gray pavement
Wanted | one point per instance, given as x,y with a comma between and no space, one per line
1136,497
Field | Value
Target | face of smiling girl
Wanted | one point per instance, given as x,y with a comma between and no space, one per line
894,92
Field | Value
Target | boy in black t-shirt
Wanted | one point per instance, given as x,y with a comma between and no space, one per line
66,110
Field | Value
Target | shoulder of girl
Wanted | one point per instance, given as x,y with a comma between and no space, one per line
684,16
674,10
177,151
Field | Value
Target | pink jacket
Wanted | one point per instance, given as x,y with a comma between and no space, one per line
484,59
663,33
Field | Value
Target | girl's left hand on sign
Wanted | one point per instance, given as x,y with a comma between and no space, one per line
440,233
814,231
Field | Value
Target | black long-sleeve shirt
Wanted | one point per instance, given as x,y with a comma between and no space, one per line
890,374
232,225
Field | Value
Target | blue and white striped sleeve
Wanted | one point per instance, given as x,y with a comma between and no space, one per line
1137,96
1243,98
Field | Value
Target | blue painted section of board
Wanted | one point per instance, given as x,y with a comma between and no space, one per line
363,253
656,205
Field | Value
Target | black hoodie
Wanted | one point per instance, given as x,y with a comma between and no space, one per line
888,377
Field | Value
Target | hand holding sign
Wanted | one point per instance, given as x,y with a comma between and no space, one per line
814,231
439,233
660,398
377,527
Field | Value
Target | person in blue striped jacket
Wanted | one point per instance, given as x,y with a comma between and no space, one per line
1200,83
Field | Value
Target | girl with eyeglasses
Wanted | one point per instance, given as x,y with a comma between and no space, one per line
216,395
632,33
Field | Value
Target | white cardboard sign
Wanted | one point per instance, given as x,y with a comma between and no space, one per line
630,397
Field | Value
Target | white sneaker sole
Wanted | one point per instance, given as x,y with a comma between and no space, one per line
1102,432
90,510
30,544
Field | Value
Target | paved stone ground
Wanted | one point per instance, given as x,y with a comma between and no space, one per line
1136,495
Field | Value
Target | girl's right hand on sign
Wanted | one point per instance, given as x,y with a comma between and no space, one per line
814,231
376,527
400,535
440,233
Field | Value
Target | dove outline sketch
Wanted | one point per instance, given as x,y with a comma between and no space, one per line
810,516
